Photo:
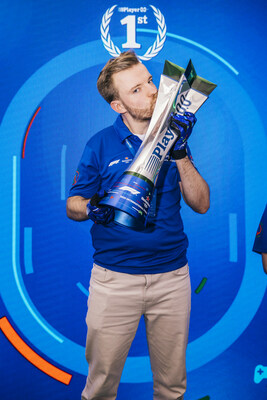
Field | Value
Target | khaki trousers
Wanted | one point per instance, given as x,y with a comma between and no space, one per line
115,305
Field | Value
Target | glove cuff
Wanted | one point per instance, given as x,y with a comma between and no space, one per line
93,202
179,154
95,199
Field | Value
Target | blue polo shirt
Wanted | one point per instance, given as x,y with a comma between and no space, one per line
162,245
260,243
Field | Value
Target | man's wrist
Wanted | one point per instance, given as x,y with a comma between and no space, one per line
179,154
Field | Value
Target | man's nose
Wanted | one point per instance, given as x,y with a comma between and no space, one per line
152,89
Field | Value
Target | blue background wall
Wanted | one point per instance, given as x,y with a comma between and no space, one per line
51,55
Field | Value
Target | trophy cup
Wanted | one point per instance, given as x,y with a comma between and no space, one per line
180,90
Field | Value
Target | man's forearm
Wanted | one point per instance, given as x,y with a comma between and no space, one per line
194,188
76,208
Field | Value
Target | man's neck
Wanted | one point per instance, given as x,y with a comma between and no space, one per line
135,126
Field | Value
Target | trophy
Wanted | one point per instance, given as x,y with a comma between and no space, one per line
180,91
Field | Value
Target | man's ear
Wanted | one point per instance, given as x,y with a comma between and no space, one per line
117,106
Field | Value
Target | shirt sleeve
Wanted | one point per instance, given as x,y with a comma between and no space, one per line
86,180
260,243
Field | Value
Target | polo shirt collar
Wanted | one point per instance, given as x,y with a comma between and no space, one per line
121,129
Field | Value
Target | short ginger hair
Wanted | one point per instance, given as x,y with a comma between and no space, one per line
105,84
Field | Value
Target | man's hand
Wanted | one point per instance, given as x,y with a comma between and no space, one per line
97,213
182,126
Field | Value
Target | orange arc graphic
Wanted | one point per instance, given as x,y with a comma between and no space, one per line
259,230
31,355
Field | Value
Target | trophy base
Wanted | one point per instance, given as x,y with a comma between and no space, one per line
130,196
127,220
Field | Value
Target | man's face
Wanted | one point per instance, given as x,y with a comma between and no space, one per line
137,92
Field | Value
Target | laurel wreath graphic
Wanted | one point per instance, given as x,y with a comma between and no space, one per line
153,50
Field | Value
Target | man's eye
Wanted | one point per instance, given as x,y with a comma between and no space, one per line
136,90
150,80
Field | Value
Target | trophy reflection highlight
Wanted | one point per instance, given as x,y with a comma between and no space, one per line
180,90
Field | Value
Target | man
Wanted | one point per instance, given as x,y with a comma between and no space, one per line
143,272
